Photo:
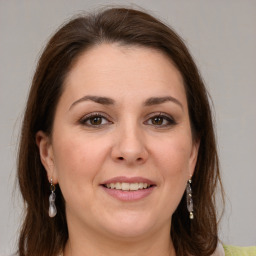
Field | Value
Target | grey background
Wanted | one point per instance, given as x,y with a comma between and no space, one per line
222,38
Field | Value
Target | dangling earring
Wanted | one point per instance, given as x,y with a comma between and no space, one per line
52,206
189,200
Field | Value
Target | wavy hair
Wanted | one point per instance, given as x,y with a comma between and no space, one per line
44,236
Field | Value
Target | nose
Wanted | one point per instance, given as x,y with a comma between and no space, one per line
130,146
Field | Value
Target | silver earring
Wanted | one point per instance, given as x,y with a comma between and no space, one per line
189,200
52,197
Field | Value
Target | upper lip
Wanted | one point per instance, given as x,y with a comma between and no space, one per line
124,179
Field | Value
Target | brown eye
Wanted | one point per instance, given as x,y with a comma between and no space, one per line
96,120
158,120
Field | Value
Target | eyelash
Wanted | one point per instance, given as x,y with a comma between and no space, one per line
89,118
167,118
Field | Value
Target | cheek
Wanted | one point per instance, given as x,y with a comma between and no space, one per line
175,170
77,162
173,156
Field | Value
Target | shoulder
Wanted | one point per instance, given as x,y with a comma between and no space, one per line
239,251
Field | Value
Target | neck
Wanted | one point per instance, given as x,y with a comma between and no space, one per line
88,243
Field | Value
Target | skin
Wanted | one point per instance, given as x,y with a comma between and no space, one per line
80,156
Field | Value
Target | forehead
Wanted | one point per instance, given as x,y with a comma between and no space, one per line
112,69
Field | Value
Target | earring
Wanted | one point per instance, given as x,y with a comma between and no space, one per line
52,206
189,200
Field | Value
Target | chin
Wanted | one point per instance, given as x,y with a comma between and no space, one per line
130,226
129,233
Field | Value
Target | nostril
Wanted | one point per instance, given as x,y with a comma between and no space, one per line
120,158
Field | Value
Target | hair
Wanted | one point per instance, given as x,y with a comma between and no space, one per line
41,235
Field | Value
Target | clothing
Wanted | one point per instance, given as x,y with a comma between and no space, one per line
239,251
228,250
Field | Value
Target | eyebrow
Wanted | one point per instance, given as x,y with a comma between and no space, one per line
97,99
160,100
108,101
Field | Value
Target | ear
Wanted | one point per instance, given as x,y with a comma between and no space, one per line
193,157
43,142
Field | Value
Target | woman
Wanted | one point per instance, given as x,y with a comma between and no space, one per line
117,153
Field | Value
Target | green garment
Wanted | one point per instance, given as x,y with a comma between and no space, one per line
239,251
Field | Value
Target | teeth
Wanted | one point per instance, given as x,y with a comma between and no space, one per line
134,186
140,185
118,185
127,186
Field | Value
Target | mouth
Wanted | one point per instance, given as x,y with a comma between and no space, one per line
128,188
125,186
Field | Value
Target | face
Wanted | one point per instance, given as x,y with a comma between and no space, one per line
121,147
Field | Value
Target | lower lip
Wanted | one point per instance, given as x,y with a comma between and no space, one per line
129,195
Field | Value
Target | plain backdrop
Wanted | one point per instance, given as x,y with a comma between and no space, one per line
221,36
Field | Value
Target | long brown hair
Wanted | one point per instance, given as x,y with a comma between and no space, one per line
41,235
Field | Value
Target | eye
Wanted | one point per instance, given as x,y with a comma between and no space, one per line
158,120
161,120
95,119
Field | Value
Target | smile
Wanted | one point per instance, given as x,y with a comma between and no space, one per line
127,186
